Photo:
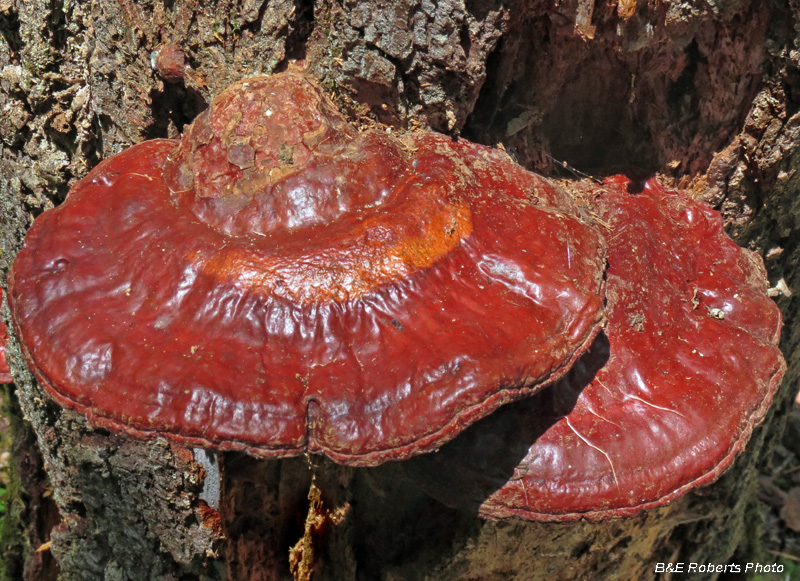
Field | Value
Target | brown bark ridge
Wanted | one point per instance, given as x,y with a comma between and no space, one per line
706,93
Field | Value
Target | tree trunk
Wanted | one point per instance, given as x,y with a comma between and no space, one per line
701,92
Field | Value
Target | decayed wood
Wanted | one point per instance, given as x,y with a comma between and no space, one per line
703,92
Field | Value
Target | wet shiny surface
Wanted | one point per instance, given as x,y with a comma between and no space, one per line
282,283
662,402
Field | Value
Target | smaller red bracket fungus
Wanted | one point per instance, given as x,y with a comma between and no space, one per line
280,282
5,372
664,404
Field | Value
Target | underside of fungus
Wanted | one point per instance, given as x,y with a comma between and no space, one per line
280,282
663,401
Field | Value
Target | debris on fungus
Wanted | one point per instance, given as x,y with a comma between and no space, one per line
662,403
301,555
279,282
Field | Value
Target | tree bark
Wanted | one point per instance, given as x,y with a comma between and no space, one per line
704,93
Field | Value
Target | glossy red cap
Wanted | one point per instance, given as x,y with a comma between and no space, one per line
280,282
661,404
5,372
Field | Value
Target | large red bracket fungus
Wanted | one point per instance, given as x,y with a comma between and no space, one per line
280,282
689,368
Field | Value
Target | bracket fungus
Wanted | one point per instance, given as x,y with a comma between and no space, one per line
662,403
280,282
